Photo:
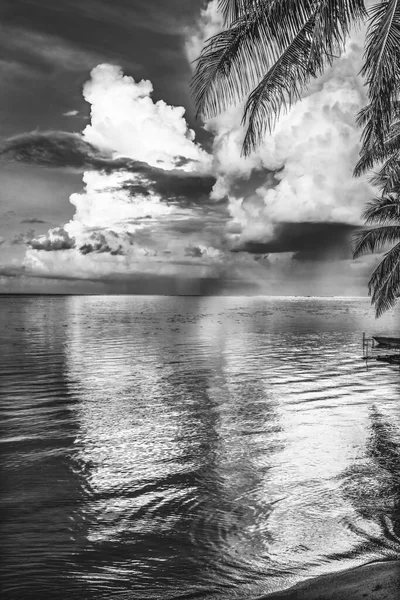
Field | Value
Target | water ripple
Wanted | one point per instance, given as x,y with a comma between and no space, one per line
192,447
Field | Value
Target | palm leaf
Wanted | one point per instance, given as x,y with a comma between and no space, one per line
388,177
278,90
311,49
260,32
392,140
378,151
333,22
382,210
381,69
233,61
378,154
375,239
233,9
384,284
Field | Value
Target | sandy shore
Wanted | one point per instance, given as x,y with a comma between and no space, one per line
375,581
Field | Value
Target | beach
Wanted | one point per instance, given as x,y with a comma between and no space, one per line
374,581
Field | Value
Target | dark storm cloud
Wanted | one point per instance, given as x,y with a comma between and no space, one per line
309,241
187,187
99,242
55,239
11,271
33,220
57,149
60,149
98,247
194,251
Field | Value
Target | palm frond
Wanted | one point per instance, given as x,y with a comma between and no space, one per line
388,176
314,46
377,151
364,119
381,70
375,239
384,284
363,116
233,61
333,22
278,90
364,163
233,9
260,32
382,210
392,140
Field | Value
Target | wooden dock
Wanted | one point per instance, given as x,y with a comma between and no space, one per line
374,351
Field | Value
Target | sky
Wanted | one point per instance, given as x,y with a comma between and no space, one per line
111,185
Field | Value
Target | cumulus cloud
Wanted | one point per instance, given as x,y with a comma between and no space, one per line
125,118
156,204
71,113
306,163
295,198
146,207
54,240
312,153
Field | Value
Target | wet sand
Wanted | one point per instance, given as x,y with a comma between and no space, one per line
375,581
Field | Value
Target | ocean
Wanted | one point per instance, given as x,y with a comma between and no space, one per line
192,447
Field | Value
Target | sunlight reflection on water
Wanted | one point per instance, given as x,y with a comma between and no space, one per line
156,447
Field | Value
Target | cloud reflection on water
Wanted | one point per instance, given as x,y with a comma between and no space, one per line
199,445
215,433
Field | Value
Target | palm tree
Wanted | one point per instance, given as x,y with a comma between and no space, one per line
386,152
268,54
271,49
384,284
384,211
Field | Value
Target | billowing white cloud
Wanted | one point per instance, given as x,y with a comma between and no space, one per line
125,119
313,149
302,173
122,225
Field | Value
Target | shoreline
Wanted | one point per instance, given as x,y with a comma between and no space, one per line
373,581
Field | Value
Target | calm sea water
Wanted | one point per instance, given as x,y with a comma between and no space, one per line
165,448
